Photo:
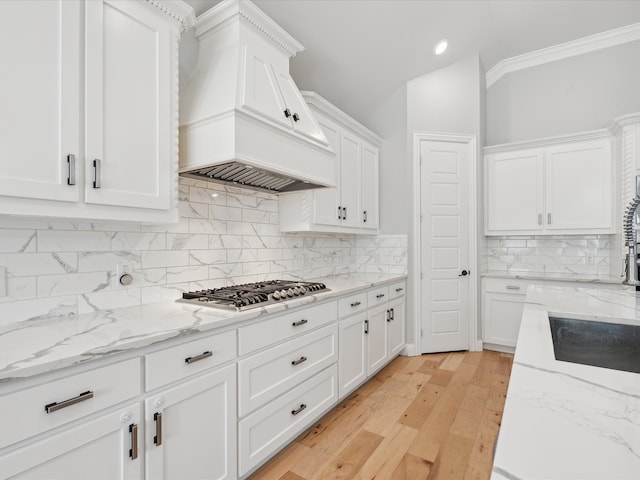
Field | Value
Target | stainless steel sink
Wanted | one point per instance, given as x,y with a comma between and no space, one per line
600,344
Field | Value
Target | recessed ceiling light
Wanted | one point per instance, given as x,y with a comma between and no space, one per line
441,46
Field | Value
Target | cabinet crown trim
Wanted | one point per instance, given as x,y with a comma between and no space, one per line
623,121
324,106
233,10
180,11
547,141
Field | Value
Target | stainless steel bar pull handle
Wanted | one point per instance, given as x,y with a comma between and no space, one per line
52,407
197,358
355,304
513,287
71,178
299,361
344,213
339,213
300,322
158,438
133,451
299,409
539,219
380,295
388,315
366,327
97,173
399,289
364,214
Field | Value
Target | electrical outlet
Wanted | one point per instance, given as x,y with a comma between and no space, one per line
588,259
123,268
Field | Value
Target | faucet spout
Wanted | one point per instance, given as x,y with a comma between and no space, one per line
630,232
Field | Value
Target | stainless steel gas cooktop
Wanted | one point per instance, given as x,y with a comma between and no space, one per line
252,295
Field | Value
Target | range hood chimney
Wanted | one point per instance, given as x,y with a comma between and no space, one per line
243,121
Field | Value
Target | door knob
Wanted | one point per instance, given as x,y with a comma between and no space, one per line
464,273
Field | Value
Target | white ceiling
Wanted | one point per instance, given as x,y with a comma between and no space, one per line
358,52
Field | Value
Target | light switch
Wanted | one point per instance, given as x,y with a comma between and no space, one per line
3,282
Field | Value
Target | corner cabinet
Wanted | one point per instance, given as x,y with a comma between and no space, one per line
102,77
352,206
556,186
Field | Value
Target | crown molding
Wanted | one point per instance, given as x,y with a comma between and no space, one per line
180,11
573,48
547,141
324,106
229,11
623,121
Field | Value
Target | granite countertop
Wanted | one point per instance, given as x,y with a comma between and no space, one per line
558,277
566,421
31,348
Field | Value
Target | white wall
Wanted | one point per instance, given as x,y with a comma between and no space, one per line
571,95
390,122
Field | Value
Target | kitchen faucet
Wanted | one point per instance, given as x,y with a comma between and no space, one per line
631,226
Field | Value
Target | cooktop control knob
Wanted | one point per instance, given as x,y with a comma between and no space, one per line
276,295
290,292
302,290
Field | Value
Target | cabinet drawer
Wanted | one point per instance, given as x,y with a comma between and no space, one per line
262,433
69,398
397,289
264,376
352,304
377,296
174,363
283,327
505,285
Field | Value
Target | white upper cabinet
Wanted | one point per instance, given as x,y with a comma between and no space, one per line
40,96
102,149
352,206
565,187
129,81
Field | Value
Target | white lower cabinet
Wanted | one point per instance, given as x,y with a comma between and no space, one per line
376,333
396,326
353,351
191,429
108,447
265,431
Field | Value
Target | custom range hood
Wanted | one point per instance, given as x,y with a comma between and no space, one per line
242,119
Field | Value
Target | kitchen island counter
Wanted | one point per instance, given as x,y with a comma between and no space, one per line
566,421
29,348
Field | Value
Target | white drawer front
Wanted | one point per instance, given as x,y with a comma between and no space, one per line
283,327
506,285
377,296
397,289
352,304
264,376
265,431
24,413
174,363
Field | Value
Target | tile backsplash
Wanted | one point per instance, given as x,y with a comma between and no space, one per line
225,236
595,255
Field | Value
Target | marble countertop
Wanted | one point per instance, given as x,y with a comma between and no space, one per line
558,277
31,348
566,421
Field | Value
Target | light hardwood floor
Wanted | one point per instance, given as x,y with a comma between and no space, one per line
430,417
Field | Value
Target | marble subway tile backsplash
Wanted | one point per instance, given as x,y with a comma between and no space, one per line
225,236
571,254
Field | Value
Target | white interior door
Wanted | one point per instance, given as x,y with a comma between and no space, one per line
444,245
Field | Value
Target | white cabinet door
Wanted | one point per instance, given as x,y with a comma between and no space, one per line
579,186
129,82
261,93
395,325
502,314
369,187
376,331
40,98
352,356
195,435
97,449
350,154
303,121
327,200
514,191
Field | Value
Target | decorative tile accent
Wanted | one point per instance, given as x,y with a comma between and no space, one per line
225,236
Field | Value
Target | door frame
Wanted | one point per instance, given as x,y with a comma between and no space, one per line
475,344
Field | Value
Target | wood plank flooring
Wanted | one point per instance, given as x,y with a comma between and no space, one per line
432,417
